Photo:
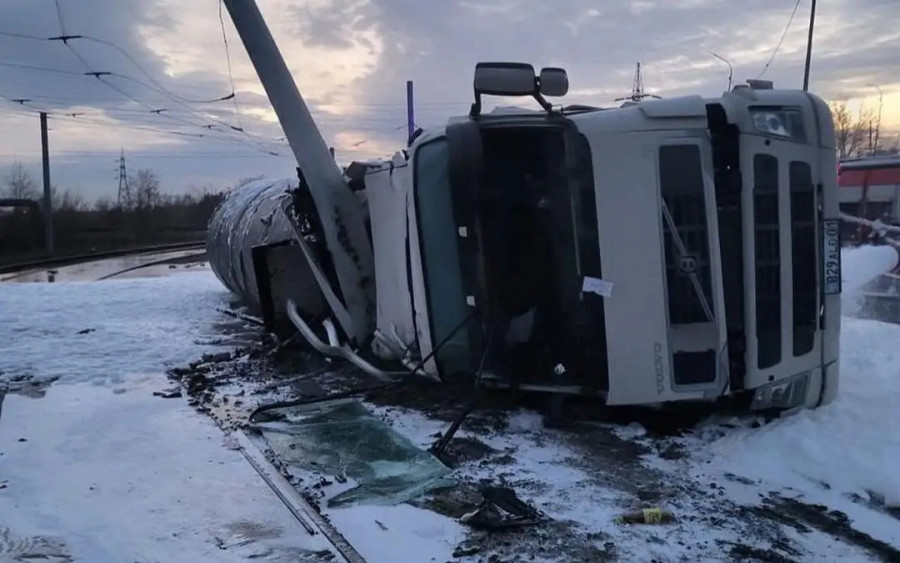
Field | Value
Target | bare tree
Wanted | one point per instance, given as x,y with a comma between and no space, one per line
853,135
894,148
67,200
843,128
104,204
19,184
867,123
145,186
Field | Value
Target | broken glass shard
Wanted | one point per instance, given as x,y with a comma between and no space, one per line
342,439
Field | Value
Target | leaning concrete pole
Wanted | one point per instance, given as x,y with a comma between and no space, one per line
341,213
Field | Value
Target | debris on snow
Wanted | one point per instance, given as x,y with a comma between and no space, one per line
500,509
172,393
34,548
647,516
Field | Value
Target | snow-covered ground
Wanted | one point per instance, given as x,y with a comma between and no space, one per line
859,267
853,445
104,471
94,467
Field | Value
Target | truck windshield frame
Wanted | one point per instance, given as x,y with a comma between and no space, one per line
450,242
439,252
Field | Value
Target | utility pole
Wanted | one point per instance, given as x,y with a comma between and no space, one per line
809,41
410,111
48,201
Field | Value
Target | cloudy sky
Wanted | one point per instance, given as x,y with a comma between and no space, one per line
351,59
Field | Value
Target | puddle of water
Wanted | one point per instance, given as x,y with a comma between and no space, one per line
26,385
90,271
160,270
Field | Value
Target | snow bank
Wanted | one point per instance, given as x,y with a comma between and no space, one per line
125,476
859,266
852,445
100,465
863,264
398,534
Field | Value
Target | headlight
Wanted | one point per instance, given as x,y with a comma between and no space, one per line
787,123
784,394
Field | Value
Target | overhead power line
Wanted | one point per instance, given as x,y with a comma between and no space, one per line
24,66
65,38
102,77
185,114
780,41
387,117
62,23
435,105
154,84
21,35
80,120
237,111
159,87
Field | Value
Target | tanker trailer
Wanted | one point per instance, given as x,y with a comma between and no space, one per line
668,251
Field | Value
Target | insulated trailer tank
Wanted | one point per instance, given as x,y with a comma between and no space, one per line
250,236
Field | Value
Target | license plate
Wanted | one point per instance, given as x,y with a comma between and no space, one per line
831,254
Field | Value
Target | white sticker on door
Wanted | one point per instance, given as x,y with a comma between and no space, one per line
598,286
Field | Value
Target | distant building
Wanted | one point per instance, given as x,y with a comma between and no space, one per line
869,189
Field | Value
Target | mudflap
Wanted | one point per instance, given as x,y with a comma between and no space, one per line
282,273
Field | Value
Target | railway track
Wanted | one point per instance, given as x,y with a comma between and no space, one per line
87,257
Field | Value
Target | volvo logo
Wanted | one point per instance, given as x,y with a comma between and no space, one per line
687,264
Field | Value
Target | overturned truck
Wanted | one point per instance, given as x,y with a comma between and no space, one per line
674,250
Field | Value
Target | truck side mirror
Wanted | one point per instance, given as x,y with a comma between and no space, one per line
553,82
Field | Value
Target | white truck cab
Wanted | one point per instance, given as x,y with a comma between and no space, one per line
669,250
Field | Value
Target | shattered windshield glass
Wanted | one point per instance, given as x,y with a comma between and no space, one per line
343,439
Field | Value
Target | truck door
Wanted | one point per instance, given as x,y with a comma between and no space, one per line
695,304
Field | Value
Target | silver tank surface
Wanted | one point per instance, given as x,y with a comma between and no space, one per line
249,216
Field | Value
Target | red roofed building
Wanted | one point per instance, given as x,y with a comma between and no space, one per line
870,189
